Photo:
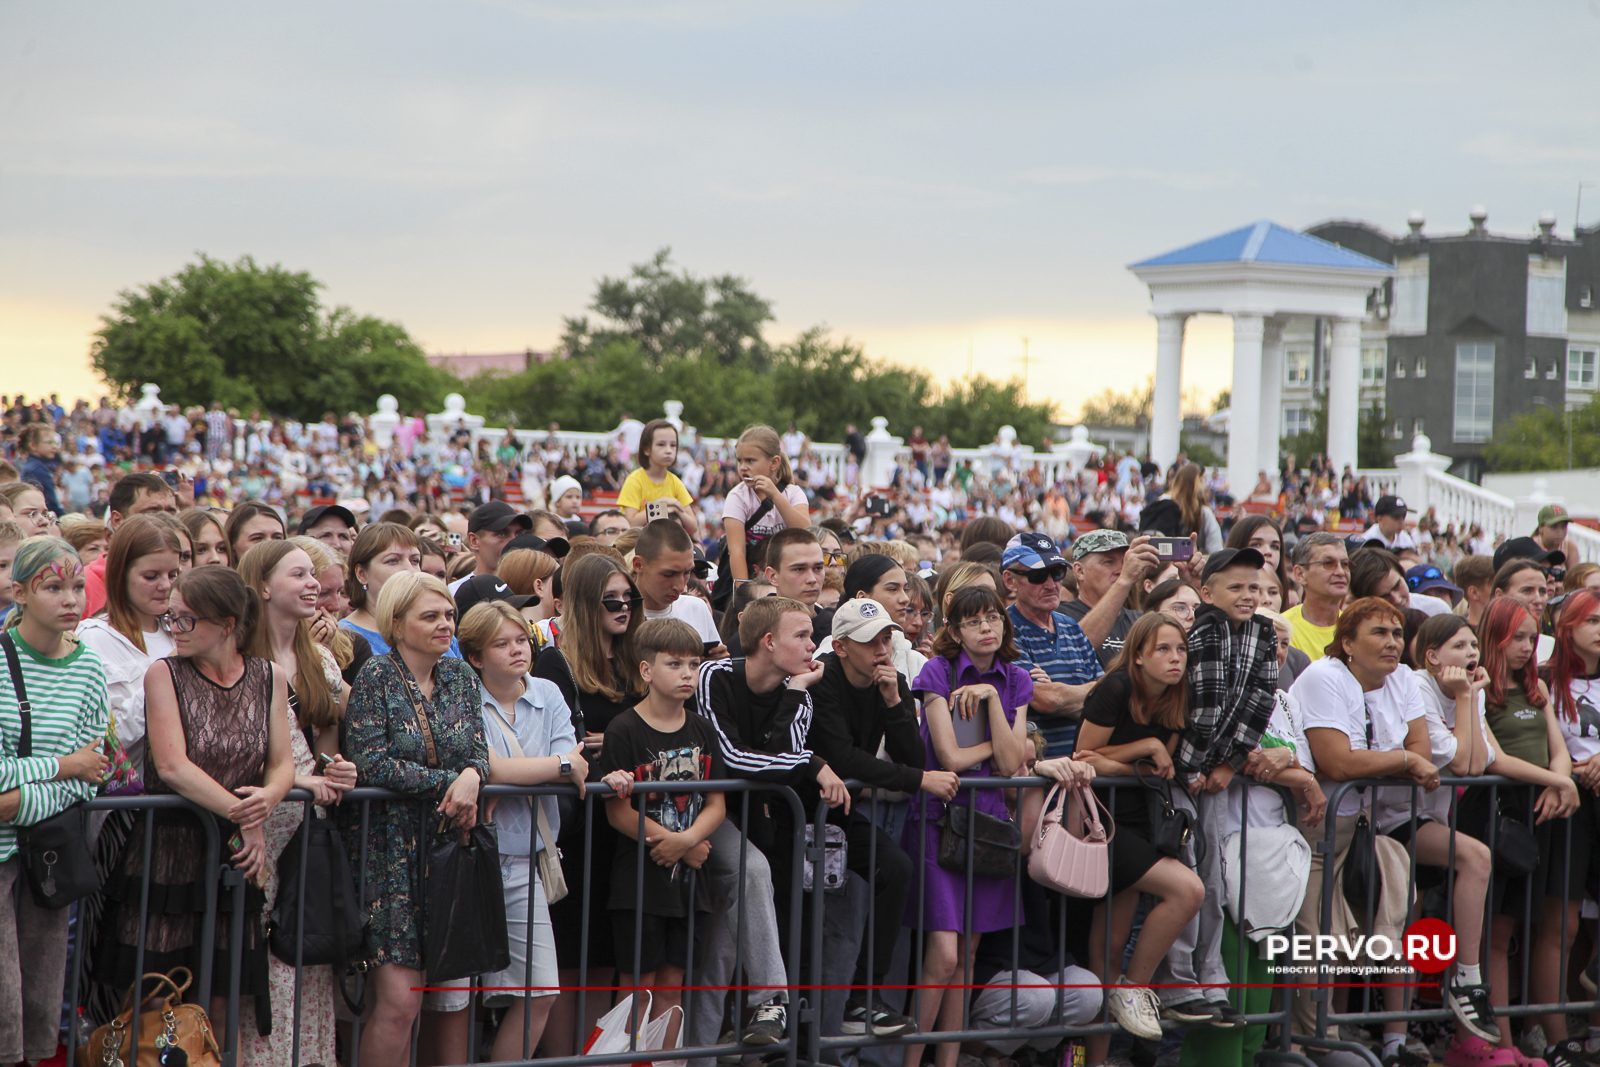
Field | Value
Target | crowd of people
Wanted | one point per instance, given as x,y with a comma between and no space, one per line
175,639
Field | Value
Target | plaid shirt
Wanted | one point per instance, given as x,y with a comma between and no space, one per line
1232,676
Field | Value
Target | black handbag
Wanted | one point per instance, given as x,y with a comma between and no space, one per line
722,588
1363,878
334,918
466,913
55,852
996,842
1171,827
1516,850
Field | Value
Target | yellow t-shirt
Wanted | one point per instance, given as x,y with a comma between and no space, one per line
639,490
1312,640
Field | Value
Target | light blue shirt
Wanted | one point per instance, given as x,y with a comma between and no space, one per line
543,725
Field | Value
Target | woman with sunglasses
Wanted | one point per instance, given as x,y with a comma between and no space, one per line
594,665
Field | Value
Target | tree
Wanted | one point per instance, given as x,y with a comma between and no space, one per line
1111,408
666,313
254,336
1537,440
1374,449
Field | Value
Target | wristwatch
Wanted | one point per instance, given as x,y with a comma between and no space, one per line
566,767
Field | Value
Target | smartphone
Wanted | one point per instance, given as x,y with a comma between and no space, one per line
877,505
324,761
453,540
656,509
1171,549
170,477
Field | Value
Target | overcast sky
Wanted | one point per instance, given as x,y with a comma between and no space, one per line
932,179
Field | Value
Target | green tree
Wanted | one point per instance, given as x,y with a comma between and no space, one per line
667,312
1111,408
253,336
973,411
1537,440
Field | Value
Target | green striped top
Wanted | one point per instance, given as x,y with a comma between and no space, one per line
69,711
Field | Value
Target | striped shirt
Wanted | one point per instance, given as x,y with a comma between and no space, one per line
69,711
1066,655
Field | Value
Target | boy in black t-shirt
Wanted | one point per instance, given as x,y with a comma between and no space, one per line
656,741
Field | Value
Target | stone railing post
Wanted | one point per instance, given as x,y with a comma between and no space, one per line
881,448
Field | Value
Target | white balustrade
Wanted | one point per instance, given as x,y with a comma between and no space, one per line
1586,541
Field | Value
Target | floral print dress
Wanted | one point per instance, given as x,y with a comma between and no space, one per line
385,741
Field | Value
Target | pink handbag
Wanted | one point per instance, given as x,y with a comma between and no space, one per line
1073,854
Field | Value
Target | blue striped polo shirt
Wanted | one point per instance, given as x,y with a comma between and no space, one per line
1067,657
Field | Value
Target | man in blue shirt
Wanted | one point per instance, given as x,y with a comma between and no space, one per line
1054,650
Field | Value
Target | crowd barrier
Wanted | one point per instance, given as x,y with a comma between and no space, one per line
805,1040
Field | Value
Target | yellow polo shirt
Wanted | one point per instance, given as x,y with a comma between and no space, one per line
1312,640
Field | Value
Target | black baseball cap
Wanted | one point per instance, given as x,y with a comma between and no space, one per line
1231,557
556,546
481,587
1529,549
1392,506
496,515
322,511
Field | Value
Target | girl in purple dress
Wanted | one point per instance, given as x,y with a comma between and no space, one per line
971,676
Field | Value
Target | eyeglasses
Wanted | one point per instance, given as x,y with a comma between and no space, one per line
923,615
1057,573
1432,574
833,559
619,607
980,622
177,624
1180,609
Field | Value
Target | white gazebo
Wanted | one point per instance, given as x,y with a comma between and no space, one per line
1262,275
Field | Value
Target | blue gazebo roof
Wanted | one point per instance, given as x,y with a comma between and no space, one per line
1267,242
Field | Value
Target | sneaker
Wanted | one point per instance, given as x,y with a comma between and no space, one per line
1404,1057
1135,1008
1228,1016
1199,1010
1471,1007
1472,1051
766,1026
879,1019
729,1059
1567,1053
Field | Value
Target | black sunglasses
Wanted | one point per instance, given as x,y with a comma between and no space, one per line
617,607
1429,575
1057,573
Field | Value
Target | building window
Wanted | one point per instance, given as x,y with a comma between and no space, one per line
1580,368
1416,427
1547,296
1399,429
1409,315
1372,365
1474,412
1422,366
1296,420
1297,366
1399,368
1552,371
1530,370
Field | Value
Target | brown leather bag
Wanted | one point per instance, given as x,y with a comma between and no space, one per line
166,1022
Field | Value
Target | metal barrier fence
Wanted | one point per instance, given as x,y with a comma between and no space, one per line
805,1037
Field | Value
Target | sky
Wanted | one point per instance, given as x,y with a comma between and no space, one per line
935,180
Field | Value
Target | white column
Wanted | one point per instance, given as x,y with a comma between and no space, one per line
1244,431
1271,401
1344,393
1166,414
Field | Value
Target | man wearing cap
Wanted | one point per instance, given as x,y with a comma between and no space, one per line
1389,525
333,525
860,703
1551,533
1108,568
1053,647
490,528
1232,676
1430,588
1520,570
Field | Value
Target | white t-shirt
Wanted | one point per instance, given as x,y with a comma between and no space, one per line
793,444
692,610
1582,733
743,501
1394,805
1329,697
1432,605
1265,805
1403,539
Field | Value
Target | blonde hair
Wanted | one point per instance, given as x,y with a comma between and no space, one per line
11,533
482,621
767,440
401,593
521,567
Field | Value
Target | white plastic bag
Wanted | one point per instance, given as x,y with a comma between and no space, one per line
654,1038
611,1032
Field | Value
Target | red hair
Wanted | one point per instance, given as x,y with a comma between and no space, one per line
1495,632
1566,662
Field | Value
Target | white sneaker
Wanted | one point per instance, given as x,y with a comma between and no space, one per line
1135,1008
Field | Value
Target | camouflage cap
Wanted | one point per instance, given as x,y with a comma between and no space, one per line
1098,541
